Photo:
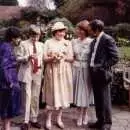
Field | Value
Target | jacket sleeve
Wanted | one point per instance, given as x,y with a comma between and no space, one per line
21,53
112,53
8,64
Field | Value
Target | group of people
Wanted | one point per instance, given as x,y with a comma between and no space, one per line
73,71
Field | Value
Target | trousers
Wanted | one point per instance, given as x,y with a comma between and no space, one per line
31,96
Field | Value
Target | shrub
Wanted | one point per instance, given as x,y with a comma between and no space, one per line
123,41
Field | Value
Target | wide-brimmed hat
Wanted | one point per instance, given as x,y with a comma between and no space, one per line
58,26
35,29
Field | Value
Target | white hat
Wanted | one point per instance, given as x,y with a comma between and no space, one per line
58,26
35,28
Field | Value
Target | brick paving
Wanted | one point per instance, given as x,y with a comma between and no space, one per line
121,119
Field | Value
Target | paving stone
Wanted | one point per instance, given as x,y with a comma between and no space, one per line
123,123
121,119
118,128
127,128
122,115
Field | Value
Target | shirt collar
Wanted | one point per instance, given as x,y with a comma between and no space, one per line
100,35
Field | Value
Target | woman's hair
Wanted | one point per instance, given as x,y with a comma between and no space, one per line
12,32
34,30
32,33
83,25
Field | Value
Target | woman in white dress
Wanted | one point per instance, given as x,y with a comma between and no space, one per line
58,83
81,81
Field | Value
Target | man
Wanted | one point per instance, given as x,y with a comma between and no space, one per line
30,74
103,55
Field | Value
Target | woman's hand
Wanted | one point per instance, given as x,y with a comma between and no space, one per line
69,59
56,57
49,59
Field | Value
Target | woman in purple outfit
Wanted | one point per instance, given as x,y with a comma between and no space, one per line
9,85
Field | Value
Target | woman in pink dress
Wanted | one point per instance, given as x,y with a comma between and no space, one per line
57,89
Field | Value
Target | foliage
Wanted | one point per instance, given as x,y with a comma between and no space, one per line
124,53
7,23
72,9
123,42
31,14
59,2
121,30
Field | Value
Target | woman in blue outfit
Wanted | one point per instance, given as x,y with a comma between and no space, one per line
81,76
9,86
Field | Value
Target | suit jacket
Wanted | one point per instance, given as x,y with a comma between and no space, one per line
25,73
106,56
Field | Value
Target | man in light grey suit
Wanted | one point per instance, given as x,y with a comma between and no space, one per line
103,55
30,74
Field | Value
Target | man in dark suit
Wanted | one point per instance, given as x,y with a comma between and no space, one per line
103,55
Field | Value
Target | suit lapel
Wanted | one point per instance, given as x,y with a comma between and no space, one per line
91,49
100,44
100,49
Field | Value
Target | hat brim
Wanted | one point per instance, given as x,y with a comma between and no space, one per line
56,29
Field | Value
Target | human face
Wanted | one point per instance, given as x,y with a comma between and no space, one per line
91,32
60,34
80,33
35,38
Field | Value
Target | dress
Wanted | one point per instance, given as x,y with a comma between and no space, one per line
57,88
9,97
81,78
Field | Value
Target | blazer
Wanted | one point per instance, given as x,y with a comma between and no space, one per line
25,73
106,56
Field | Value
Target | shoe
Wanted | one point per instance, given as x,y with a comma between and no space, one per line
106,127
25,126
61,125
35,125
85,120
79,122
48,125
95,125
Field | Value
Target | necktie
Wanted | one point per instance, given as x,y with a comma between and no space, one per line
93,44
92,49
34,60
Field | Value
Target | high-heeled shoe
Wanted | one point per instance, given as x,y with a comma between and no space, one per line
79,121
60,124
48,125
85,120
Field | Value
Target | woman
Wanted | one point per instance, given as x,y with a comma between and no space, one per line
57,87
9,86
81,79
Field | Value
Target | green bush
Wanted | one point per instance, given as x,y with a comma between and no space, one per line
124,53
123,42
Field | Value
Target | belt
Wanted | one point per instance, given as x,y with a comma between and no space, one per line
80,60
80,64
